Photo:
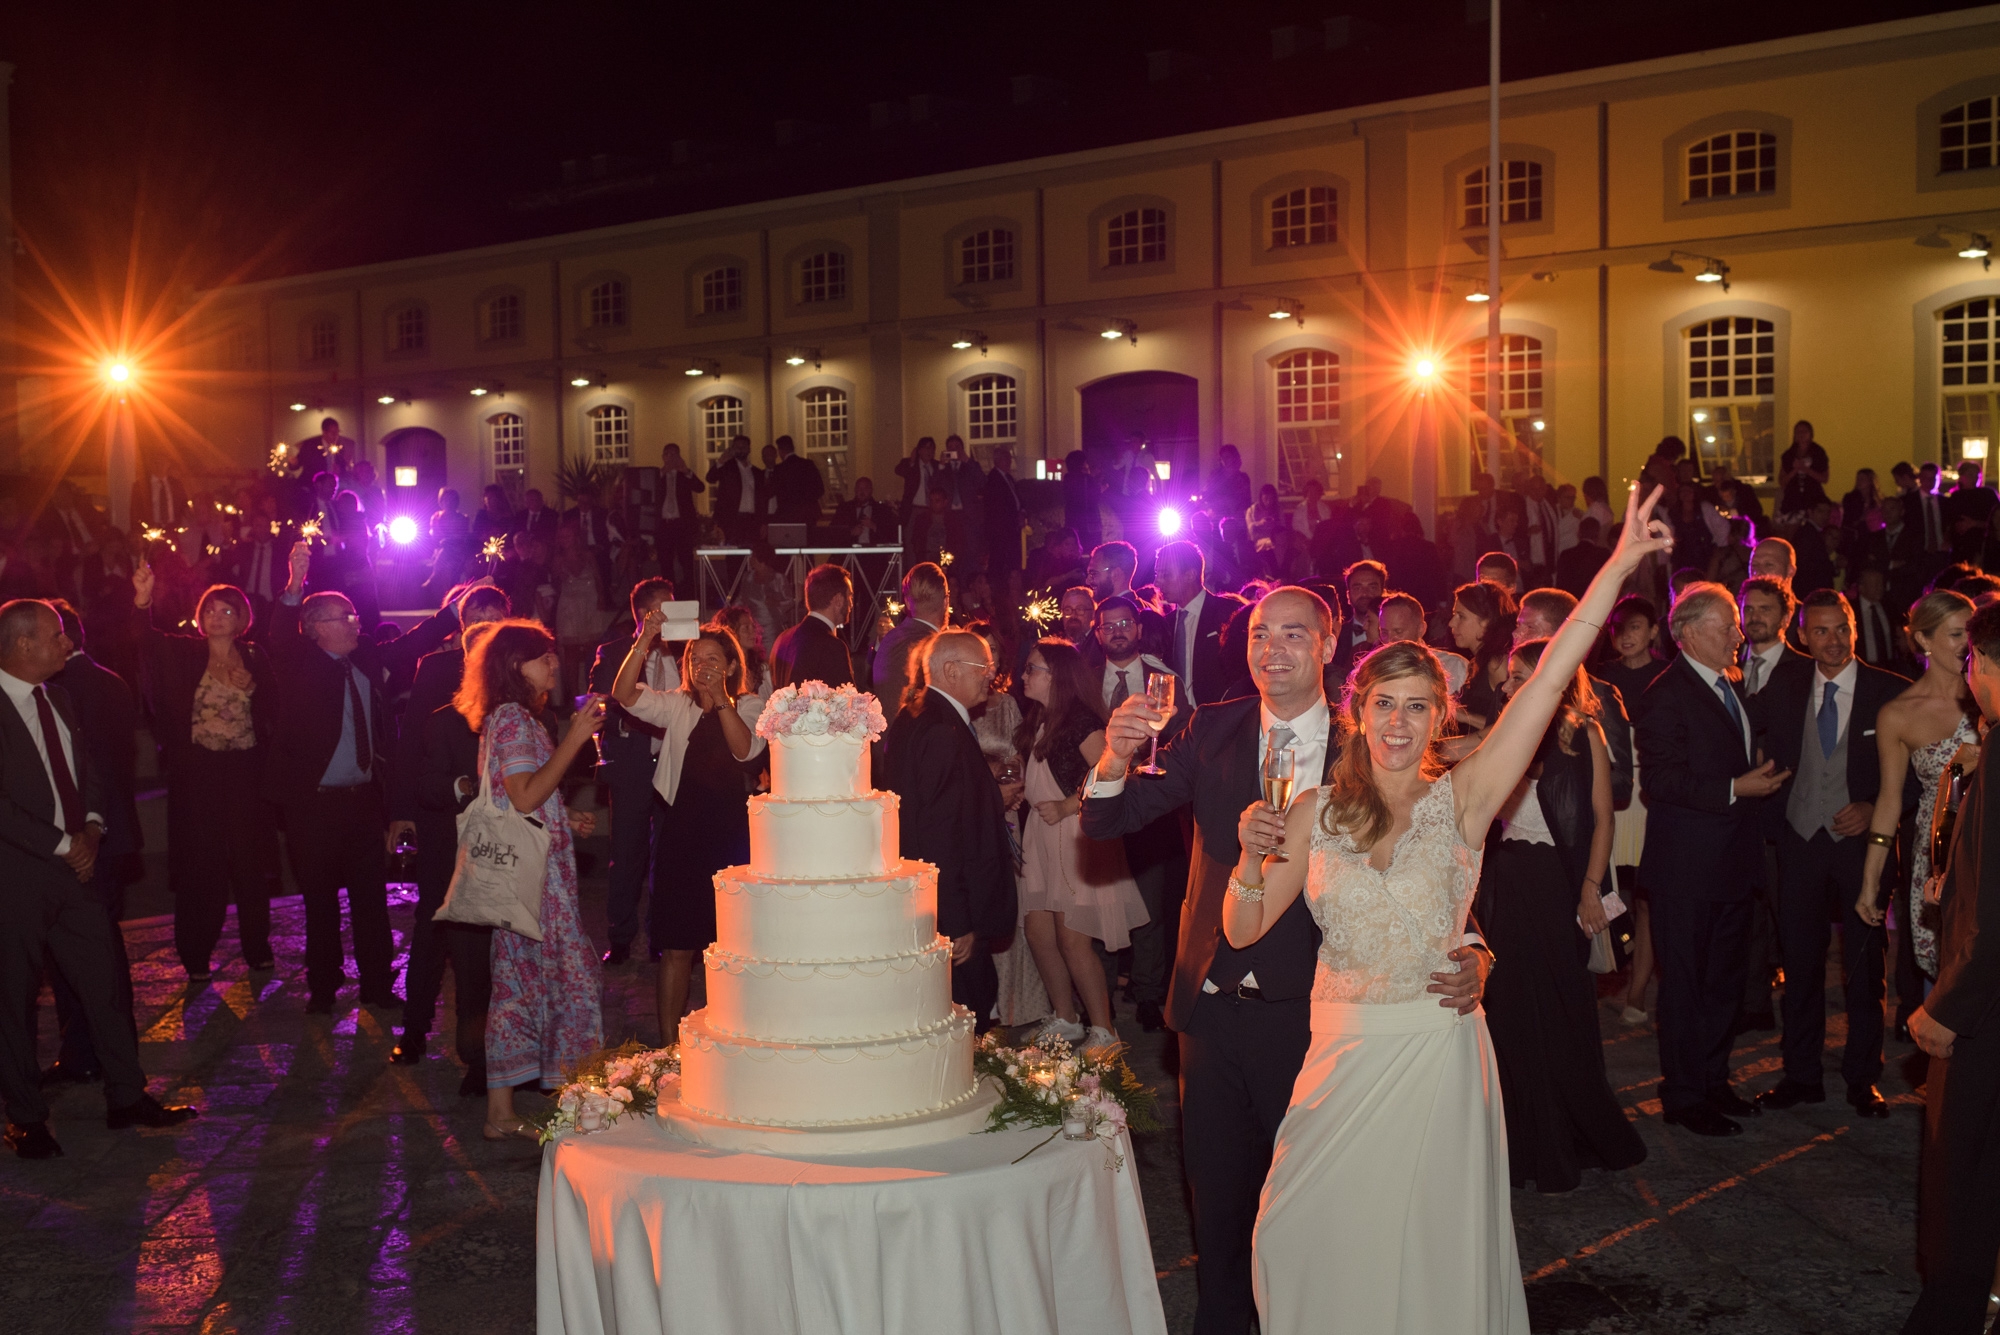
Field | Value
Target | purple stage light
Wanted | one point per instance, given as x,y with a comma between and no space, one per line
403,529
1170,521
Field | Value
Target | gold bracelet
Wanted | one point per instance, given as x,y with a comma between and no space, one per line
1880,840
1249,894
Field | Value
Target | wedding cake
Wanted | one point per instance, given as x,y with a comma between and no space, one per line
829,1026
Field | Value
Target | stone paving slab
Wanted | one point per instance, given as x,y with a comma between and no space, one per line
324,1190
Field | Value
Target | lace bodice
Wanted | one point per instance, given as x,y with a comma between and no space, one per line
1385,933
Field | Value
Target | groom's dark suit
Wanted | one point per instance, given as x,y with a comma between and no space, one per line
1240,1051
1958,1231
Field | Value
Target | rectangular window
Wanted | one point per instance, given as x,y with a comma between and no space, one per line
510,441
1967,136
991,408
606,306
1136,236
1520,194
721,422
1739,162
1307,216
610,434
410,330
503,317
823,277
1732,383
721,291
987,256
324,340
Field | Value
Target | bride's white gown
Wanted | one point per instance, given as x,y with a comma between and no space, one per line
1387,1206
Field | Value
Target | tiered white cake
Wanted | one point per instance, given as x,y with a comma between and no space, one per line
830,1025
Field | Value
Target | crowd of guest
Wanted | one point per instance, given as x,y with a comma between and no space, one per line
1724,782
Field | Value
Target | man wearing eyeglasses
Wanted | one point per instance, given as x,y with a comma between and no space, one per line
1157,854
954,812
332,750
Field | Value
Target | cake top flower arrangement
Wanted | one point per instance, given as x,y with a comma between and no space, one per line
815,709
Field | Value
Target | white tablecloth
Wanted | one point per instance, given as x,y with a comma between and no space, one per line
638,1232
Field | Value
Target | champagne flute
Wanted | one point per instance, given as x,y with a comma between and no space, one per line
1280,771
1160,695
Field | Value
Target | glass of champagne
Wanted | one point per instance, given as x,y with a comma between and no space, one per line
1160,695
1280,770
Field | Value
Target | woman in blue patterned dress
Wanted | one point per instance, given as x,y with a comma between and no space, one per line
544,1017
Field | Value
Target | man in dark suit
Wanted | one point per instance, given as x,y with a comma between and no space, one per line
1878,625
1109,574
1001,501
739,494
331,756
796,485
1817,719
1361,628
430,737
535,518
1958,1230
954,813
107,714
52,826
926,599
916,472
680,521
1194,646
813,650
629,749
1704,854
1243,1016
863,520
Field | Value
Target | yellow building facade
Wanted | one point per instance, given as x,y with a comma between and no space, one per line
1271,286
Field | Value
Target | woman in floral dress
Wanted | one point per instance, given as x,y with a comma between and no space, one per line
544,1018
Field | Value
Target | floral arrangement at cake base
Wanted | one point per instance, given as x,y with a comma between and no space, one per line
607,1086
1087,1094
815,709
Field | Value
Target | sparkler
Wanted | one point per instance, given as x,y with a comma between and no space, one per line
311,529
280,464
276,528
495,548
151,534
944,558
893,606
1043,612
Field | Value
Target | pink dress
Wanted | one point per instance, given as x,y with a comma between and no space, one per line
1085,880
544,1018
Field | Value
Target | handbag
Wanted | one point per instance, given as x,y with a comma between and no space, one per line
503,859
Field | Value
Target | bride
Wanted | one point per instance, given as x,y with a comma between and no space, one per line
1387,1207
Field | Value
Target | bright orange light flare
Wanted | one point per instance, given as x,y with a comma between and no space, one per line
1425,368
118,372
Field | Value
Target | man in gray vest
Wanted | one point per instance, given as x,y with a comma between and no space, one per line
1816,718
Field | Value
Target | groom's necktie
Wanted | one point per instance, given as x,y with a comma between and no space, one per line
1281,738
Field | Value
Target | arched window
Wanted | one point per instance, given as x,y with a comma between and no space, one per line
507,435
409,329
721,422
1732,381
823,277
604,305
1307,385
1520,194
1136,236
722,291
322,340
610,433
992,409
1970,372
1966,136
1733,163
1523,429
986,256
825,415
500,318
1307,216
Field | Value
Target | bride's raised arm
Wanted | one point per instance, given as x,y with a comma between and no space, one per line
1484,779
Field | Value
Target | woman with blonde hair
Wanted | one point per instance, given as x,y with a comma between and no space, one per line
543,1019
1387,1206
1926,728
704,774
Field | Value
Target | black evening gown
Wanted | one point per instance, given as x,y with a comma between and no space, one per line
1541,1001
707,829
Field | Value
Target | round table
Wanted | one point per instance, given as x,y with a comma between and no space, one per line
638,1233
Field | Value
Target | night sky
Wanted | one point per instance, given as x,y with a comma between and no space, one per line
192,143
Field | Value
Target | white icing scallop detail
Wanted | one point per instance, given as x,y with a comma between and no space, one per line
826,920
880,1000
842,1083
834,839
806,768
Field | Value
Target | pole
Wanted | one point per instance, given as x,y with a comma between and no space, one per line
1494,191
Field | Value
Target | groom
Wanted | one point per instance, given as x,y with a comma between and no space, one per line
1243,1016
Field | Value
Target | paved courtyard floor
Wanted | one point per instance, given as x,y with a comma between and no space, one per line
323,1189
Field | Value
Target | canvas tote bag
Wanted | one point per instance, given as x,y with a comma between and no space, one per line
502,860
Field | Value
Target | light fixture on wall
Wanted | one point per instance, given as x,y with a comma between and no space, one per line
385,399
700,366
795,358
1978,248
1972,447
579,381
1290,308
298,407
970,338
1713,270
479,391
1479,292
1117,329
